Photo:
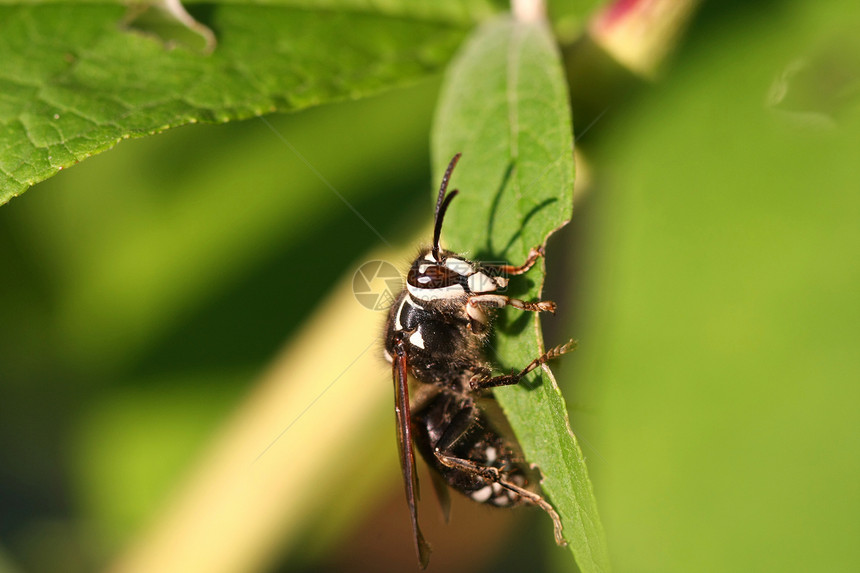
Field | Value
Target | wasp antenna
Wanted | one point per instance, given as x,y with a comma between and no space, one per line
438,228
442,204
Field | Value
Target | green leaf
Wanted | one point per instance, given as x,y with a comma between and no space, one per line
505,107
74,80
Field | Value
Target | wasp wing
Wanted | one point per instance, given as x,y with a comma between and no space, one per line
442,494
407,454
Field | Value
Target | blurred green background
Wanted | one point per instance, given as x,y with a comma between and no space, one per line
710,274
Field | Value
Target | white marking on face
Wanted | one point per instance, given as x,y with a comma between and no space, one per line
492,454
416,339
479,282
388,357
423,268
497,488
451,291
459,266
502,501
482,495
429,257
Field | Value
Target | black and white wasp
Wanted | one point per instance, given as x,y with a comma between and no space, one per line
436,331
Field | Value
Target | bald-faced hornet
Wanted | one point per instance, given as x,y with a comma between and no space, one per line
436,331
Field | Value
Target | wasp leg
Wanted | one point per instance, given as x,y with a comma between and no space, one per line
478,319
477,383
510,270
493,475
500,300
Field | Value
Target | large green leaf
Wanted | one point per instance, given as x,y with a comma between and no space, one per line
505,107
75,79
